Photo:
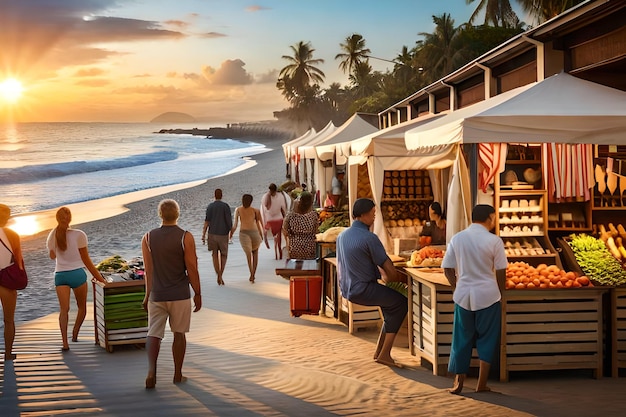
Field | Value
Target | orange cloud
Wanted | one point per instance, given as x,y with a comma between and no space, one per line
256,8
89,72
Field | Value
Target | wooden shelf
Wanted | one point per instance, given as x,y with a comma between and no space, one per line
523,234
529,209
595,208
570,229
520,193
397,199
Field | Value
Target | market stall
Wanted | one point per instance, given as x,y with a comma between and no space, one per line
303,151
326,155
543,187
379,164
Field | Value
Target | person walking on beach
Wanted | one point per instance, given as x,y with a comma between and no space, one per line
218,221
68,247
10,251
171,265
274,210
360,258
300,227
475,265
250,232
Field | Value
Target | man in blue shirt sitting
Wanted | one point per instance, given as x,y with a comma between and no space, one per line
361,258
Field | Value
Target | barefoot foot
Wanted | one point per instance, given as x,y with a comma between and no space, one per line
458,384
150,381
180,380
389,362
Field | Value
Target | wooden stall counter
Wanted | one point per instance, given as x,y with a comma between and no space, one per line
119,316
299,268
541,329
431,314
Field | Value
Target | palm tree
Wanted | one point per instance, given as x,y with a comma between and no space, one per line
301,70
498,12
543,10
354,52
439,48
364,82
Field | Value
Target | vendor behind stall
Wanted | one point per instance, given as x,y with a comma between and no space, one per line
436,227
338,189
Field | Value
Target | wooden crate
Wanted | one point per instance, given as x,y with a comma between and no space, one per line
432,318
330,288
618,330
551,329
119,316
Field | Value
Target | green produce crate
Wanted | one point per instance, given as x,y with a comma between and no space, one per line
119,316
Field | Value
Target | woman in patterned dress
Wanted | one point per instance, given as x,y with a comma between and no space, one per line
300,226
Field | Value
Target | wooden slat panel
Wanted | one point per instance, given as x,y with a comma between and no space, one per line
445,318
620,313
538,318
551,337
552,327
548,307
551,362
556,348
445,308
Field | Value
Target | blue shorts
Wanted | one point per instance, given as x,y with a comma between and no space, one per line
74,278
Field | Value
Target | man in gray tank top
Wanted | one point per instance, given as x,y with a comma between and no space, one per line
171,265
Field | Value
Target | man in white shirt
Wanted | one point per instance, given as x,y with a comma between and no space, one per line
475,265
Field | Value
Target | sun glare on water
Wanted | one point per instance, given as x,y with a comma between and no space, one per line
25,225
11,90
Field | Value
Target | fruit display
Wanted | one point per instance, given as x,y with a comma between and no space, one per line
522,276
425,257
595,259
117,269
113,263
338,219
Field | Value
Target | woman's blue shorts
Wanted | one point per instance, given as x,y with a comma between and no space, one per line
74,278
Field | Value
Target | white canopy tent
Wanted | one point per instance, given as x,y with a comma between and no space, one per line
307,168
385,150
288,145
355,127
561,109
290,148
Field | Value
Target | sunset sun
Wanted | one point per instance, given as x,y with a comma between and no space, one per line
11,90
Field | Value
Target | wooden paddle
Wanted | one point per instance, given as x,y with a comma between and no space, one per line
600,173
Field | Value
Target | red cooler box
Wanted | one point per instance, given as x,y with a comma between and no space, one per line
305,295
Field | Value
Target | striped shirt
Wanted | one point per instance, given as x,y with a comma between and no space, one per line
359,253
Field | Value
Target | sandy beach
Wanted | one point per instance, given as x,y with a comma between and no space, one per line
116,225
246,356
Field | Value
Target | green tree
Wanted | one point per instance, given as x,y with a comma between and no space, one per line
301,71
354,53
543,10
364,82
439,48
498,12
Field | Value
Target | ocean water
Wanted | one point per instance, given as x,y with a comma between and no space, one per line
46,165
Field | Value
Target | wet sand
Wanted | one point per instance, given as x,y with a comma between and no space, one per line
116,225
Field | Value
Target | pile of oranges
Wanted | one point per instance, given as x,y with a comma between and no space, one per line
522,276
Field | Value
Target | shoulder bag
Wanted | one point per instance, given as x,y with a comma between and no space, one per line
13,277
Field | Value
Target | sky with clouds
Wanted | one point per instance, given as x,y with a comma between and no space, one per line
131,60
